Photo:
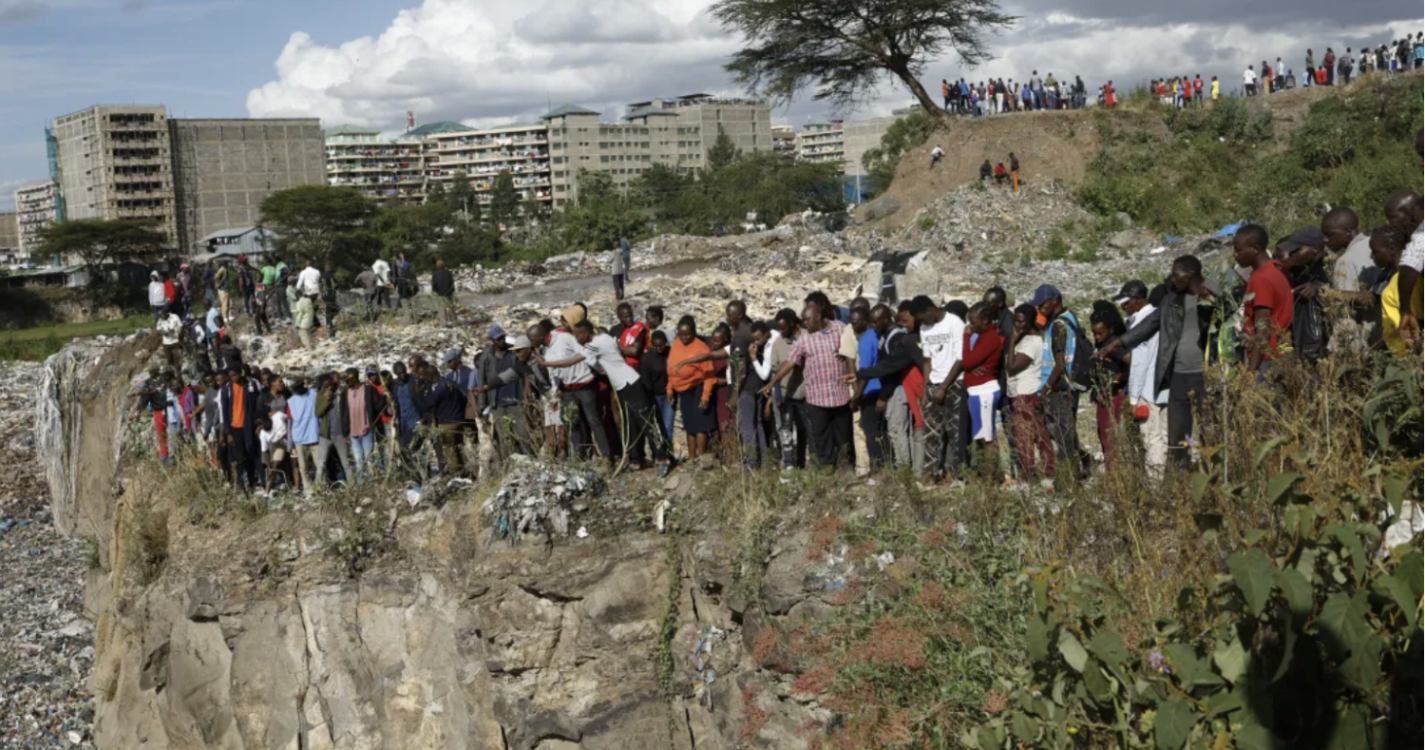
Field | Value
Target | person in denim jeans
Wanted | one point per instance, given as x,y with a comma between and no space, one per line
363,406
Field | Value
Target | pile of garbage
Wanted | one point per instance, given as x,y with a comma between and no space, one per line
539,494
47,654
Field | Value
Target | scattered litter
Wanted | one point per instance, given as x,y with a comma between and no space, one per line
538,493
582,533
660,515
703,673
884,560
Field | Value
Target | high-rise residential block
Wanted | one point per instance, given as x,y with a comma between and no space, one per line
822,142
223,169
116,162
34,210
860,136
482,154
9,233
383,170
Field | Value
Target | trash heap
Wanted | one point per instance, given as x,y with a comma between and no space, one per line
539,494
46,656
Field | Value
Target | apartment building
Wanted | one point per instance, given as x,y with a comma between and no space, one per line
193,177
9,233
35,209
784,140
383,170
482,154
822,142
117,163
223,169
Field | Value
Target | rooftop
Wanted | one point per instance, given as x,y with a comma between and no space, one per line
351,130
568,109
649,111
445,126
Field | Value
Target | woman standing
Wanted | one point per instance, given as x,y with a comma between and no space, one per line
1110,374
692,386
1031,434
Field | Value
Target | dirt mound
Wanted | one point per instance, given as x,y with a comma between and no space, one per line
1050,145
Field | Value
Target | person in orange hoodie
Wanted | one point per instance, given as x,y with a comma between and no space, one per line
692,385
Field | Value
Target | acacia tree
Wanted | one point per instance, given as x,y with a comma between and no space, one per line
98,242
843,48
504,200
316,221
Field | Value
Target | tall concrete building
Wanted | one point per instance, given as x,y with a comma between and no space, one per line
223,169
35,209
748,122
860,136
784,140
9,233
117,163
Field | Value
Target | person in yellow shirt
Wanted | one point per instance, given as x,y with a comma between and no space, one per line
1386,246
1215,88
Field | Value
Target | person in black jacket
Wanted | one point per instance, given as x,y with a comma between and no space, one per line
442,284
1182,324
237,406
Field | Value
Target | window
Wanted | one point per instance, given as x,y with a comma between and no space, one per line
604,159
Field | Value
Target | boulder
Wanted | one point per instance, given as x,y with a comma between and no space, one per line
881,207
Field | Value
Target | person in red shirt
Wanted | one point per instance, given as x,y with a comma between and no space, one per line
984,347
1108,98
1267,311
1197,89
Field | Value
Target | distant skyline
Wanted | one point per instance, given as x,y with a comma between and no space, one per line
484,62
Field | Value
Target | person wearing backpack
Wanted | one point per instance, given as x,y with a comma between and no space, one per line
1063,374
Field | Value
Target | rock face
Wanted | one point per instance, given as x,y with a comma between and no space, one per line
251,637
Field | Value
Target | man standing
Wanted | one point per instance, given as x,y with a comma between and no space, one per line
1329,62
1061,401
331,430
620,273
1149,404
363,407
634,401
1216,89
302,403
500,402
157,299
222,277
407,395
447,409
577,386
309,281
442,284
945,94
382,270
872,395
1267,313
942,339
238,406
1014,171
824,372
1344,66
304,318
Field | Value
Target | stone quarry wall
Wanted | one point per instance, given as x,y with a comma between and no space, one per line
252,637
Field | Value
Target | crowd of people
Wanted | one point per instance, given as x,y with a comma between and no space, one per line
931,386
998,96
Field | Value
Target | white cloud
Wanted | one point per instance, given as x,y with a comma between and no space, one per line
491,61
482,60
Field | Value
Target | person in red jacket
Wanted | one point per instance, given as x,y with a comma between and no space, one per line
980,365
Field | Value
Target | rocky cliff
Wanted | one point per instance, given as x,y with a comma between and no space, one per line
242,632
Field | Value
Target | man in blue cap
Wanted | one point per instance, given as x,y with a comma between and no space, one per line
500,403
1061,400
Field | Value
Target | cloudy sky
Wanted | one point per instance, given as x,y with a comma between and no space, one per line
489,61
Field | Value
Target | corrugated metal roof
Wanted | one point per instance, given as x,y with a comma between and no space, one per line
649,112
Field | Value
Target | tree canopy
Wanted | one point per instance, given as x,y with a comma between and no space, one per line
504,200
318,223
844,48
98,242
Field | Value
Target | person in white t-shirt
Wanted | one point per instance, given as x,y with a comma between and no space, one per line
382,269
942,339
273,442
309,281
1249,81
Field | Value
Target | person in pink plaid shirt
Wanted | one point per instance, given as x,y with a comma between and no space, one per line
824,373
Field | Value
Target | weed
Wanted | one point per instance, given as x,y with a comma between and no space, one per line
927,223
147,541
1085,254
1056,249
668,624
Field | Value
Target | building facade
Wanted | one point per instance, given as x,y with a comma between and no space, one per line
117,163
822,142
860,136
10,233
482,154
35,209
382,170
223,169
784,140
